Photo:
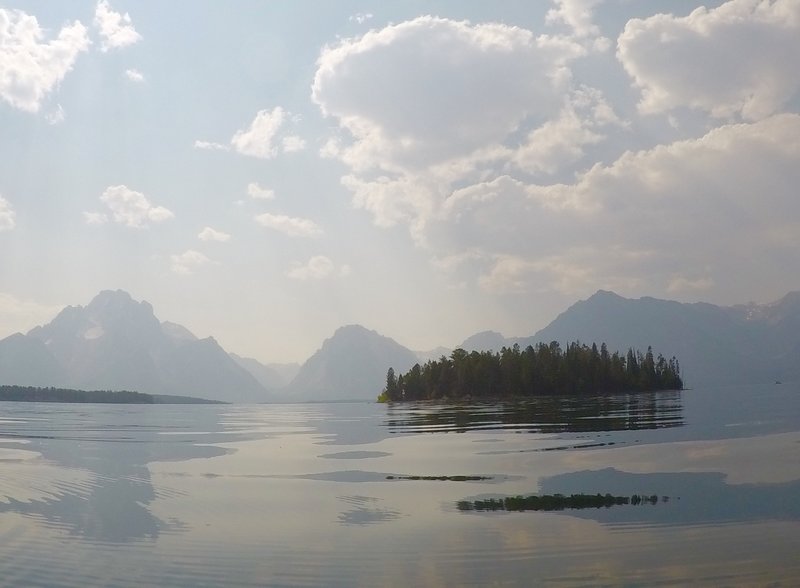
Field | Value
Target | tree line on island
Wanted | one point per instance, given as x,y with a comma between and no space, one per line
546,369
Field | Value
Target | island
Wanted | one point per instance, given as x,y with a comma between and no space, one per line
34,394
556,502
547,369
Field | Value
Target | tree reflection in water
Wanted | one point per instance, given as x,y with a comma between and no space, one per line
546,414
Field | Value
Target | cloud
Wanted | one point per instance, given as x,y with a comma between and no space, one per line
293,143
210,146
660,217
578,15
134,75
115,29
431,105
317,268
679,284
477,139
292,226
209,234
129,208
265,138
561,141
7,215
56,117
256,192
360,17
19,315
95,218
258,139
429,90
187,262
29,68
739,59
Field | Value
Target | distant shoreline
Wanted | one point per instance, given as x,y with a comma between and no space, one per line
71,396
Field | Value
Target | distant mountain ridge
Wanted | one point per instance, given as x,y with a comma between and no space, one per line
116,343
715,345
273,376
350,365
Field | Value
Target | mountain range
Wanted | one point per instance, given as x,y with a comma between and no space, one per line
715,345
117,343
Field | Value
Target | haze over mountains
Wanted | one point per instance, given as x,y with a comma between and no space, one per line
351,364
715,345
117,343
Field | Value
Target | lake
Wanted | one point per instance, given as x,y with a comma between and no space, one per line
386,495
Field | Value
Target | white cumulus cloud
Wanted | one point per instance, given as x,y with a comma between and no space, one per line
257,192
430,105
265,138
739,59
259,139
317,268
432,89
360,17
95,218
293,143
292,226
561,141
7,215
210,146
128,207
30,67
661,217
134,75
188,262
116,29
209,234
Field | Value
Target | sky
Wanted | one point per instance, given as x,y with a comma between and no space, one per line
266,172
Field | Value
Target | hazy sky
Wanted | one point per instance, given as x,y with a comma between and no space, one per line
265,172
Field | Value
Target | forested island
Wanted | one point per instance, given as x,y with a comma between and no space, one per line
34,394
534,371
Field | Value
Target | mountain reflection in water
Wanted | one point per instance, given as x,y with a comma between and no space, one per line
364,494
546,414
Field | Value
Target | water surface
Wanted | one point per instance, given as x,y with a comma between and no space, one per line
368,494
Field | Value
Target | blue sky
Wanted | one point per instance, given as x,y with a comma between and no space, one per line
265,172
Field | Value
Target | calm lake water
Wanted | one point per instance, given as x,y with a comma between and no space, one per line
337,495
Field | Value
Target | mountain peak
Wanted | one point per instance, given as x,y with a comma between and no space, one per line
113,301
116,342
484,341
110,296
352,329
605,295
351,364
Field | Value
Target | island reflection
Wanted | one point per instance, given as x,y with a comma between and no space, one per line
545,414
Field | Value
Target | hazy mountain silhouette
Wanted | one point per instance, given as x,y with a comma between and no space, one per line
433,354
116,343
715,345
351,365
484,341
272,376
27,361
